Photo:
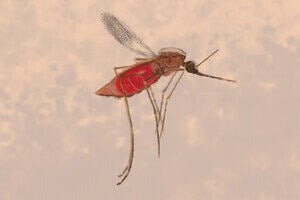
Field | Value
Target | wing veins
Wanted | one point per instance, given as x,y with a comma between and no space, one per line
125,36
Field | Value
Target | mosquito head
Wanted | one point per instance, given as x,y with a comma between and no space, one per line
190,67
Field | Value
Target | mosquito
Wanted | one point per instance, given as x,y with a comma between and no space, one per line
133,79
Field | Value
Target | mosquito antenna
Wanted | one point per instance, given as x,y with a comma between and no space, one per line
207,58
216,77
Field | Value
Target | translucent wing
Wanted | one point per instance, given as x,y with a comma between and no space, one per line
123,34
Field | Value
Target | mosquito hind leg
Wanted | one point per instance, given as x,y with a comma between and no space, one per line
123,172
127,169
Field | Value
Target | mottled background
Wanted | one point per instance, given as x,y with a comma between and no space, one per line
58,140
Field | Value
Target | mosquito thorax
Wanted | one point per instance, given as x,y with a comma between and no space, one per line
172,50
190,67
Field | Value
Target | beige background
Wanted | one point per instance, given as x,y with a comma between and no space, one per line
222,141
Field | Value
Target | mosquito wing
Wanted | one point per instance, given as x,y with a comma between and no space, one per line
123,34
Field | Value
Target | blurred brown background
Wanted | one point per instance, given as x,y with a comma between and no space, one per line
58,140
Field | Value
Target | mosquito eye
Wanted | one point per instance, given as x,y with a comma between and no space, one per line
191,67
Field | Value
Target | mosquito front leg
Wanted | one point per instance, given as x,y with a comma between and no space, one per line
157,111
163,93
153,99
166,103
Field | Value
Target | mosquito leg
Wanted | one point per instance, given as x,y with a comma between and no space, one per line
153,97
128,167
115,69
157,122
166,103
123,172
157,113
131,154
155,108
157,117
163,93
150,93
152,100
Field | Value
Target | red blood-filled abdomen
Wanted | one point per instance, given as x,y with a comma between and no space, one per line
132,80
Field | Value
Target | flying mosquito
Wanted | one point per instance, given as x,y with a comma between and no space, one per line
140,76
